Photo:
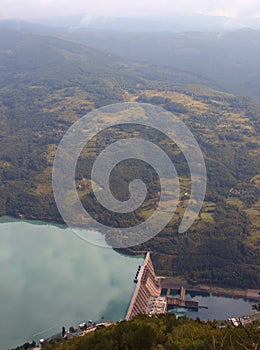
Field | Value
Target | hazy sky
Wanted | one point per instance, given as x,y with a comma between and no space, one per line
26,9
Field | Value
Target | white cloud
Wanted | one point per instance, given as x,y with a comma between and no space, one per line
235,8
125,8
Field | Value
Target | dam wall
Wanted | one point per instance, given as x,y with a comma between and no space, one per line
147,286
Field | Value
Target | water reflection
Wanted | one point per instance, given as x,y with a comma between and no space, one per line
50,278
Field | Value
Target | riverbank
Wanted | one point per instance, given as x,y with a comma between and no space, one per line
176,282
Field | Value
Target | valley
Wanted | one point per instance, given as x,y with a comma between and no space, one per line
48,83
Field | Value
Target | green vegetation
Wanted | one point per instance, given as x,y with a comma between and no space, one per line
257,306
229,60
226,235
47,84
165,333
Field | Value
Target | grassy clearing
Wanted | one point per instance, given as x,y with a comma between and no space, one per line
207,217
235,201
174,96
43,182
256,181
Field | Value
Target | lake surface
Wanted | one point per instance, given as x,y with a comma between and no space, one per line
219,308
50,278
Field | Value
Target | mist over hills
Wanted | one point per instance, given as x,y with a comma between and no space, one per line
171,23
47,83
230,59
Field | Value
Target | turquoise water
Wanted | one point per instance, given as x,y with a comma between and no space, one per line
50,278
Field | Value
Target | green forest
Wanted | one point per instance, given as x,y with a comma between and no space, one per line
165,333
48,83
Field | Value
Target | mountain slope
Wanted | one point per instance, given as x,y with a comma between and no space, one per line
230,59
47,83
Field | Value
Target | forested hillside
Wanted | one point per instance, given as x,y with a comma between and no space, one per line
47,84
229,59
165,333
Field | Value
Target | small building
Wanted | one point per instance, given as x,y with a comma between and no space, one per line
156,306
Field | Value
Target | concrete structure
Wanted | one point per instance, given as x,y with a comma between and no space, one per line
156,306
189,304
147,286
181,302
147,297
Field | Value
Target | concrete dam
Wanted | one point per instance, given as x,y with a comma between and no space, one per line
147,297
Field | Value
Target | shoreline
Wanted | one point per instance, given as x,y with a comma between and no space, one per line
173,282
176,282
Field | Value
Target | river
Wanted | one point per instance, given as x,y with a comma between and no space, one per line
50,278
